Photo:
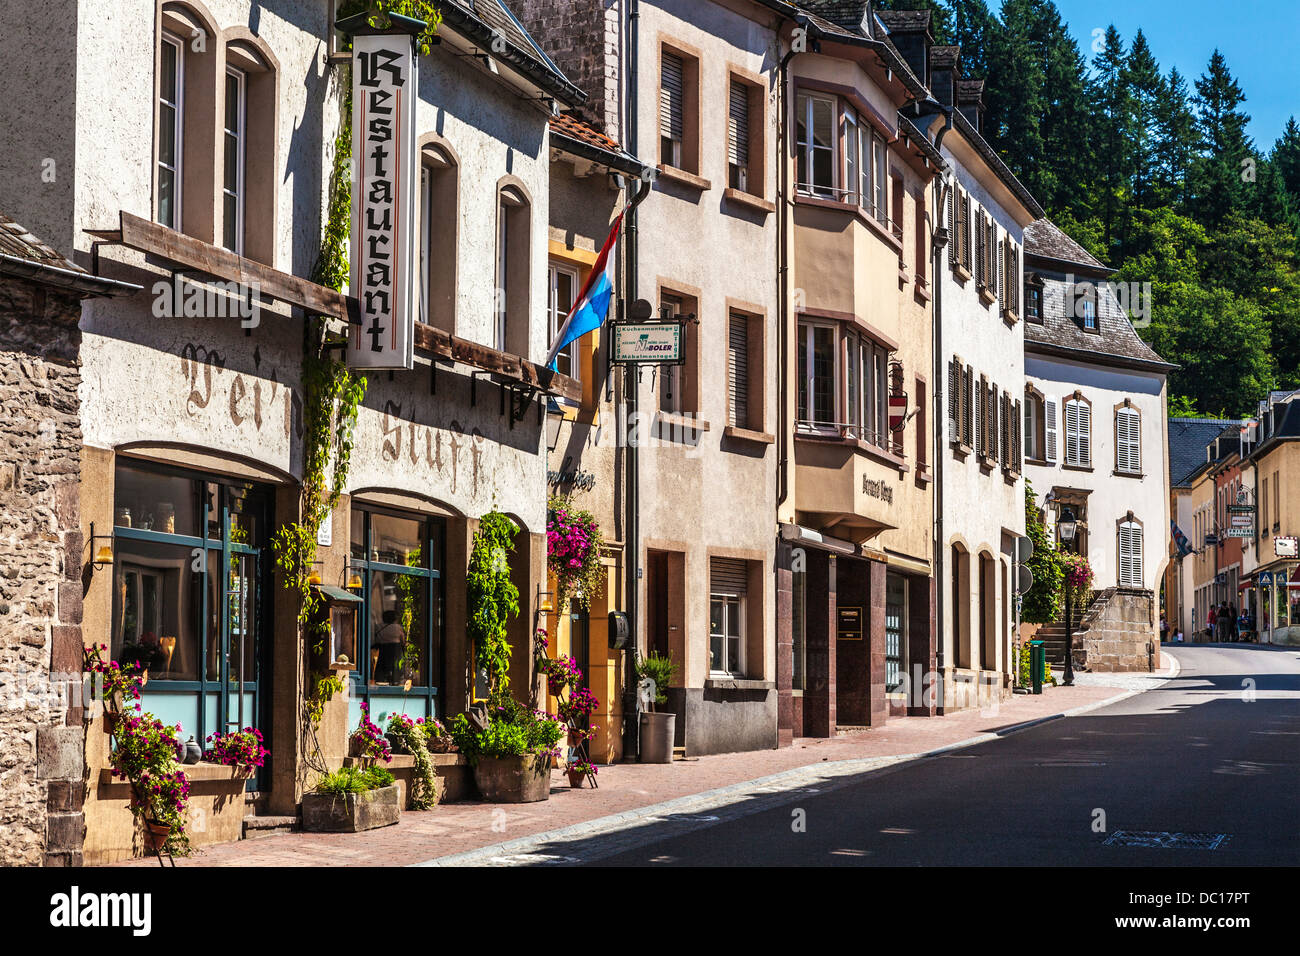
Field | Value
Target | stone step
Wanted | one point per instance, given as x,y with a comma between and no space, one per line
266,825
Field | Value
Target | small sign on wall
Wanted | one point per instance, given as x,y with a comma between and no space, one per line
849,626
1286,547
325,533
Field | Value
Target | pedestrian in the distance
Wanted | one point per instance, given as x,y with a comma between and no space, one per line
1209,623
1234,629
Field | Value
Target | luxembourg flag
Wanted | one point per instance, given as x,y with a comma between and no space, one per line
592,307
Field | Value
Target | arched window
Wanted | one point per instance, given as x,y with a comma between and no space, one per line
1078,432
439,215
1128,440
1130,553
513,271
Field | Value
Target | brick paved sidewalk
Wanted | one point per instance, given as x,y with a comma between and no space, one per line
460,828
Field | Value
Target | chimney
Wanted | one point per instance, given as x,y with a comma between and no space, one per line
909,31
945,71
970,100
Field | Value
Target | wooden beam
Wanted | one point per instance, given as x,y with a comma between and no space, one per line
437,344
150,237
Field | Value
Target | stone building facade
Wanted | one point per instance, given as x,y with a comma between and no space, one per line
42,551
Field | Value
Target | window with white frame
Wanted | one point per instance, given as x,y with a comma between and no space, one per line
235,143
563,289
1130,554
817,374
815,145
171,84
880,171
1128,441
1078,433
867,389
1033,426
853,160
728,586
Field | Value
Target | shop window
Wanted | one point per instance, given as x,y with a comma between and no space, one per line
439,215
895,630
397,559
513,254
728,587
191,593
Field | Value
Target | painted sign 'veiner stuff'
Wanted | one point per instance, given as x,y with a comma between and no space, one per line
383,235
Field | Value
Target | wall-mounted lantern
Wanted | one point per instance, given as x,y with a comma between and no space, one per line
341,607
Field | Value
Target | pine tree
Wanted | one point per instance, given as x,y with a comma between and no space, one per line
1286,157
1113,116
1175,144
972,29
1226,163
1146,88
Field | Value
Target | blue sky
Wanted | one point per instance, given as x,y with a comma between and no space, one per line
1258,38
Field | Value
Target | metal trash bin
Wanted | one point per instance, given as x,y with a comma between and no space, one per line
1037,660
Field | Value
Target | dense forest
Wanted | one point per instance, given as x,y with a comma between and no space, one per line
1157,177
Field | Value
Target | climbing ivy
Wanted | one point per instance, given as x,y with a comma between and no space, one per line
417,9
493,597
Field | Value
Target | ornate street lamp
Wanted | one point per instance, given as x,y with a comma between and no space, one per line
1067,527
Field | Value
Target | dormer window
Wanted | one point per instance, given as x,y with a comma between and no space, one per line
1084,299
1033,301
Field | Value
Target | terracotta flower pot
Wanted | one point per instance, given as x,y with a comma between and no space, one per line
155,835
576,777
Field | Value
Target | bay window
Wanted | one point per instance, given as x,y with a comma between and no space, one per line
852,377
816,374
815,145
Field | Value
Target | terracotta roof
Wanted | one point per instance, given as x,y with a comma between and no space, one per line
18,242
1043,238
574,128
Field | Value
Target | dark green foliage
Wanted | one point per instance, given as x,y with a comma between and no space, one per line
1042,603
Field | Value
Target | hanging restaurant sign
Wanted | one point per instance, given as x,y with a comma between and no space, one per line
384,95
649,343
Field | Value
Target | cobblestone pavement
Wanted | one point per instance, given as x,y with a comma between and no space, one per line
635,801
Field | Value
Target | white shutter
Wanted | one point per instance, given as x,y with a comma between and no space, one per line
1128,441
738,371
738,126
1073,446
1130,554
728,576
1085,433
671,97
1049,429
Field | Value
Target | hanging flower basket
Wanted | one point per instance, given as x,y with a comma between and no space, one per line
573,543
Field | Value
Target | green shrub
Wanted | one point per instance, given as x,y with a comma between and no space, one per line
354,780
660,669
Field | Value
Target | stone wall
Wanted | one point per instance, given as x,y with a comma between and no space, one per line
1117,638
42,739
581,36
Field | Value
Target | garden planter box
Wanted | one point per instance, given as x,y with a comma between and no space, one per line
513,779
350,812
455,776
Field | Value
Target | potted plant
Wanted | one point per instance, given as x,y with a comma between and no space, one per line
351,800
241,749
436,737
368,741
580,770
145,755
573,543
658,730
411,735
117,687
512,753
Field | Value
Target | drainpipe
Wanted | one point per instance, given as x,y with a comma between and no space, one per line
783,273
632,550
939,399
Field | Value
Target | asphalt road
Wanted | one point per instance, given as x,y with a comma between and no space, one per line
1213,754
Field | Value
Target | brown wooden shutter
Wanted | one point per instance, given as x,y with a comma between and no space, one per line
968,401
954,400
728,576
952,226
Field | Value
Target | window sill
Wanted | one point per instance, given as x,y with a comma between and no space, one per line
987,297
683,178
749,434
682,421
1043,462
1010,318
922,291
742,198
1128,474
961,448
1077,467
923,476
961,272
727,682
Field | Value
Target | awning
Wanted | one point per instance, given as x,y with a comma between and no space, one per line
1244,585
333,595
1295,578
797,532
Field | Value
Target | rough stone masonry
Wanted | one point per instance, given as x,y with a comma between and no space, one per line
42,736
